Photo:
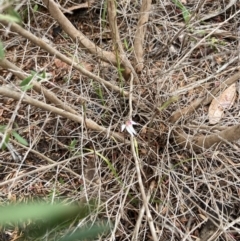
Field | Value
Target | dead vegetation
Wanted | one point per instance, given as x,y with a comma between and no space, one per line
107,63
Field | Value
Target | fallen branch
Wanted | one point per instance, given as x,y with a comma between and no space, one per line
42,44
204,100
140,34
43,168
197,144
49,95
117,44
78,36
90,124
138,170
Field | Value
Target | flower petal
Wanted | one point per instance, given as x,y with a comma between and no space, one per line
131,130
123,127
133,122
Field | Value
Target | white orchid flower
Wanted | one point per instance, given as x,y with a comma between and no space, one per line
129,127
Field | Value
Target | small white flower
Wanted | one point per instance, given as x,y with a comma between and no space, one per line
129,127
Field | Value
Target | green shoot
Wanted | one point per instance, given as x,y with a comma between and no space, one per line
99,93
109,164
2,55
35,8
136,147
168,102
26,83
72,145
10,18
127,46
19,138
104,14
186,14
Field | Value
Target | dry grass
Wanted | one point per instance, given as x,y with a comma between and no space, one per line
183,188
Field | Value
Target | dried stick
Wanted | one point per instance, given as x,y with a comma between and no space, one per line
204,100
202,81
140,34
117,45
50,96
39,42
43,168
140,215
77,118
121,210
46,158
221,87
78,36
137,164
198,143
179,62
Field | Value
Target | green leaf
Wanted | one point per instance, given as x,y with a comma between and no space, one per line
10,18
2,128
40,211
27,87
72,145
2,55
19,138
35,8
186,14
15,14
41,218
5,142
43,75
87,233
26,81
168,102
110,166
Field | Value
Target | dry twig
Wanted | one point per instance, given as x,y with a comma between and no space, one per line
39,42
76,35
49,95
117,45
77,118
137,165
140,34
196,144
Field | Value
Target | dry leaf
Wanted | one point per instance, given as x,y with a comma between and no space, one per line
87,66
221,103
79,6
60,64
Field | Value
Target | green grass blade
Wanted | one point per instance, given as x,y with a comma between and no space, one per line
20,139
168,102
186,14
36,211
88,233
109,164
2,54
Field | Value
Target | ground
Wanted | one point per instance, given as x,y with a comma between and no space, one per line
164,183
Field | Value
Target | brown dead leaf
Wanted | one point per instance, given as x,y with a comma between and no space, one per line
219,59
87,66
60,64
221,103
79,6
